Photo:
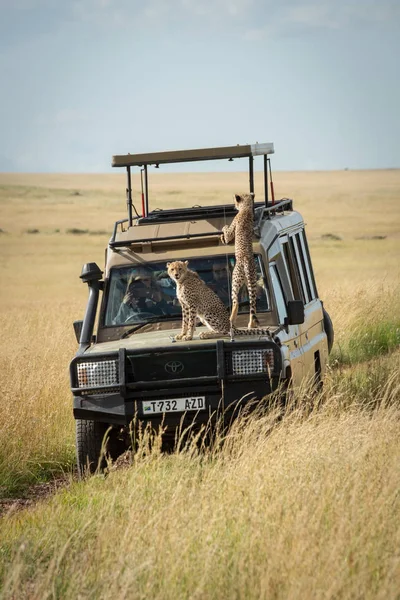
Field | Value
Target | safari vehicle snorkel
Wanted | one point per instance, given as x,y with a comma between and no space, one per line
132,371
91,274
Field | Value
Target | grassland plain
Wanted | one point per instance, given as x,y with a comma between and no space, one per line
304,506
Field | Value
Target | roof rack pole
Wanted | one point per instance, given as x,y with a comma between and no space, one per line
266,179
141,185
146,185
251,174
129,196
272,183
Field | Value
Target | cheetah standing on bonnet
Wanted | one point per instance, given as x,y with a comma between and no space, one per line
244,271
198,300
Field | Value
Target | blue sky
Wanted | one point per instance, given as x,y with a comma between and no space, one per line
85,79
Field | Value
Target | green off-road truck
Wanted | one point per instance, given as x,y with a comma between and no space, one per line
131,370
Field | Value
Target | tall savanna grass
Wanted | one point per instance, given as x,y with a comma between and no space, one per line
37,427
300,505
37,437
368,323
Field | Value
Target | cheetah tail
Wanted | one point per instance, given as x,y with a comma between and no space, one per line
253,331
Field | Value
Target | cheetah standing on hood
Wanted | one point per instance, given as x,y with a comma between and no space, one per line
244,271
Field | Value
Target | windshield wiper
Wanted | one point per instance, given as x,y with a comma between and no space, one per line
155,319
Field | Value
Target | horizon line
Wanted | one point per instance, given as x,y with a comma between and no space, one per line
119,170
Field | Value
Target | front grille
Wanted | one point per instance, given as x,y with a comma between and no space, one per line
180,364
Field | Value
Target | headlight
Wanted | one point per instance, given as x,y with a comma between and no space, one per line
246,362
97,374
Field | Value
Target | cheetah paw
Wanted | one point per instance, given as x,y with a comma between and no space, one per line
179,336
253,323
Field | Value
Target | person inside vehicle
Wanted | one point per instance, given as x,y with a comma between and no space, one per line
220,284
143,296
220,281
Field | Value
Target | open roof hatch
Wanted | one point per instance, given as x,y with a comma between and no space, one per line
201,154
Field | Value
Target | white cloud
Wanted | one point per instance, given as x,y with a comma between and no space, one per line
155,10
338,15
63,116
269,13
121,11
259,19
232,8
314,15
294,16
18,5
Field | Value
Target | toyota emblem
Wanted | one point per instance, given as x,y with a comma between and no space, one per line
174,367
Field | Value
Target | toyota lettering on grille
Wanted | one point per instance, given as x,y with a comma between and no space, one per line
174,367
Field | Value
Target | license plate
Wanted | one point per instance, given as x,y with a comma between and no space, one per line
151,407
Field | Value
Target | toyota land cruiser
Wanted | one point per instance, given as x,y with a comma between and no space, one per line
133,371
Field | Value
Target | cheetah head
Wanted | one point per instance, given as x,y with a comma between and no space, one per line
177,269
243,201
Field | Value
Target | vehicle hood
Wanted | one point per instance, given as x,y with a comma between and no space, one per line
150,339
156,339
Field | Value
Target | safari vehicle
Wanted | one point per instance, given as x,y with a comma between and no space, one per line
133,371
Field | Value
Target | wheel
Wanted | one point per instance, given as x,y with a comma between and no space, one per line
92,448
328,329
286,390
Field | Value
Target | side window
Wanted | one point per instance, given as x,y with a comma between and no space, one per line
292,266
309,269
304,266
299,268
297,259
279,299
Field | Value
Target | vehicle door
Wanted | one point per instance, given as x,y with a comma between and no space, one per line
312,336
290,337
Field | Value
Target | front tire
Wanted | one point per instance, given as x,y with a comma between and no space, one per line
92,446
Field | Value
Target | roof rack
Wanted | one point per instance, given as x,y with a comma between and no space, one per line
185,236
200,154
195,213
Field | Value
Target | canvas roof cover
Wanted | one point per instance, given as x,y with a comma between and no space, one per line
175,156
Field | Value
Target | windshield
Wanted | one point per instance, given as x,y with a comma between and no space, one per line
141,293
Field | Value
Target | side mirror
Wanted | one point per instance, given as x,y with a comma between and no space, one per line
295,311
78,329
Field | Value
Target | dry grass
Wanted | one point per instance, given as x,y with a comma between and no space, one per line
37,435
326,199
303,507
348,204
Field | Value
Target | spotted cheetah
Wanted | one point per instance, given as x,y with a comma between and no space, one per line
244,271
198,300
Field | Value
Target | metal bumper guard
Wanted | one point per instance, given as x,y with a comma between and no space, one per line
224,390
